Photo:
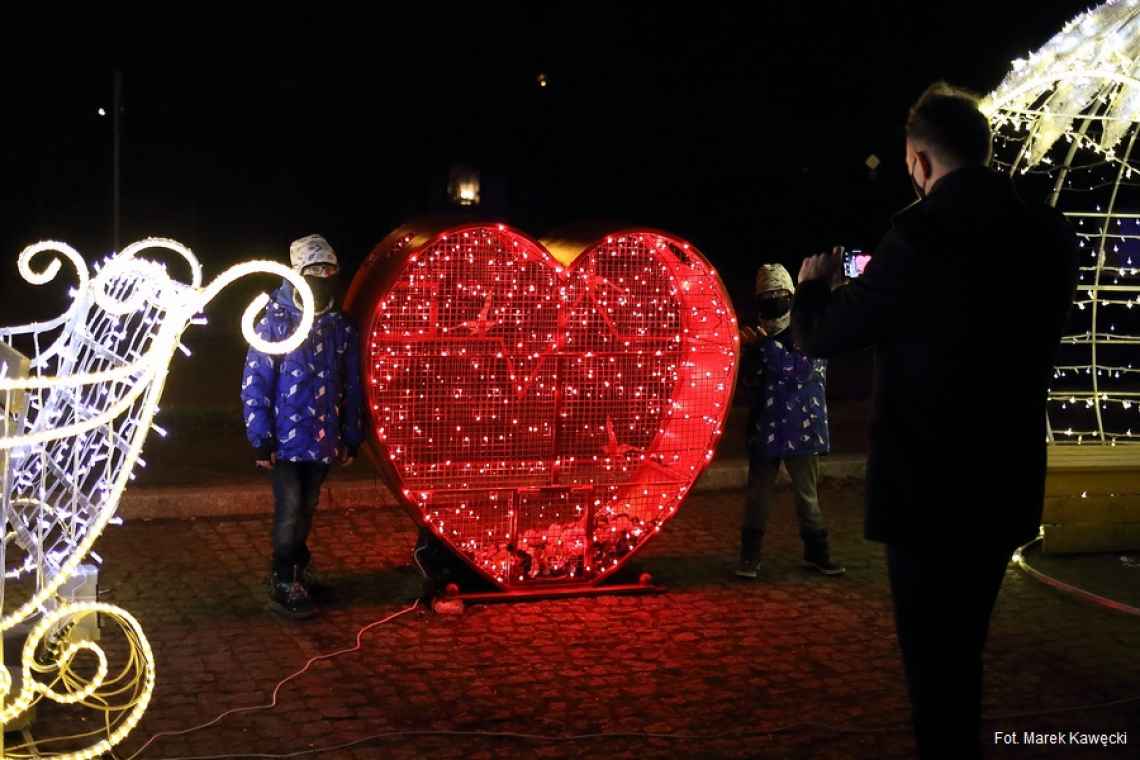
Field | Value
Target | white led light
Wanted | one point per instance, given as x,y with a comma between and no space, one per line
1069,112
75,417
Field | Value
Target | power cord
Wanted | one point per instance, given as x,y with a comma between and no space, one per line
1018,558
277,689
556,738
1080,593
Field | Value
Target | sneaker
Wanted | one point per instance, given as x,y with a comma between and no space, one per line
825,565
315,583
750,540
290,598
817,553
749,570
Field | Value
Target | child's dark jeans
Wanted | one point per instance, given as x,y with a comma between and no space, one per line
296,491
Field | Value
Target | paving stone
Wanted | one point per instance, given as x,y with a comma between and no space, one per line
811,661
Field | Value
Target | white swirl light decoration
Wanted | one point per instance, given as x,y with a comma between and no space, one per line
24,265
146,278
308,309
1065,122
69,456
139,684
171,245
125,264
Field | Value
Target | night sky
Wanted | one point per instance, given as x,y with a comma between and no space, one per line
744,131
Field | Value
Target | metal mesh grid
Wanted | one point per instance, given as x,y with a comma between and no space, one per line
492,366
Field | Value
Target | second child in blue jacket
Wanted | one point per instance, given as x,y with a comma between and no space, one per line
787,423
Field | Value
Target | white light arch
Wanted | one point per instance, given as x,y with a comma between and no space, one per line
1065,125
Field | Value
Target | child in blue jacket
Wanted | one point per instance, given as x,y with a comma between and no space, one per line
303,411
787,423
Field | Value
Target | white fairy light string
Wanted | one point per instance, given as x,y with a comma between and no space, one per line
1066,117
545,416
73,433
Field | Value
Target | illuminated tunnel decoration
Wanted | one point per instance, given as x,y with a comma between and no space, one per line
544,417
1065,126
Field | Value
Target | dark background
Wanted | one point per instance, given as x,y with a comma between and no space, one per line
742,130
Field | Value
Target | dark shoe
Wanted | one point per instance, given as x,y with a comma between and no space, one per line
817,554
750,539
315,583
289,597
825,566
748,570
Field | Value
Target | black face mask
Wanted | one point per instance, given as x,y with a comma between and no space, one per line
773,308
322,288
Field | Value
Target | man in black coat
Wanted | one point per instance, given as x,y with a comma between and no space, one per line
964,302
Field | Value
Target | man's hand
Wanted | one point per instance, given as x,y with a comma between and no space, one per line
750,335
267,464
824,266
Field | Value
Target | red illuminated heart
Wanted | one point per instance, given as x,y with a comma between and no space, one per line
544,418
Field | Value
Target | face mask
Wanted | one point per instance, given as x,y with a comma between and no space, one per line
913,182
775,312
322,288
773,308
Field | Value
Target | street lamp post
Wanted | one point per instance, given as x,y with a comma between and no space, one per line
116,129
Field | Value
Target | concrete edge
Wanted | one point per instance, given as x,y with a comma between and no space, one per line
189,502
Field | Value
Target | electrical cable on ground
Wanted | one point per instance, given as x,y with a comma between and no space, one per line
1080,593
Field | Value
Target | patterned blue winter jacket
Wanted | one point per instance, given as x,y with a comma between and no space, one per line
789,399
307,404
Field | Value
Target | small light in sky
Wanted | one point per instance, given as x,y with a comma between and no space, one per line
102,111
542,81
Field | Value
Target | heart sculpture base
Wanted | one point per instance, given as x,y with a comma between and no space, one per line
538,592
543,417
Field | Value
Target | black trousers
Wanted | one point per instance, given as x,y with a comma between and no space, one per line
296,491
942,616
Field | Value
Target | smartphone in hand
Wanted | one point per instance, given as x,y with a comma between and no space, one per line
854,262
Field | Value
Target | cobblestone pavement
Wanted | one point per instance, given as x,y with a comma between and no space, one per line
812,660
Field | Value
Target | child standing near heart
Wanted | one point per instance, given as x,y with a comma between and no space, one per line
787,423
303,412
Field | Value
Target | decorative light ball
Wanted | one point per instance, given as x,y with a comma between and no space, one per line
1065,126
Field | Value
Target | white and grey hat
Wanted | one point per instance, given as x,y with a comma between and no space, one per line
774,278
309,250
771,277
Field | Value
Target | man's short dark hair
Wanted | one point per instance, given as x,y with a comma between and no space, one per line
946,119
